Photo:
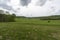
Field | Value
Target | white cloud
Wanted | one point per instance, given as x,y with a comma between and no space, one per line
14,4
49,8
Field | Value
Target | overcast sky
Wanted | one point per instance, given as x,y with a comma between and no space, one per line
31,7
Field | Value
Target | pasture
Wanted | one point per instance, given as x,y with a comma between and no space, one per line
30,29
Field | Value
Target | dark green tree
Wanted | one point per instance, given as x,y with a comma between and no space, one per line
6,17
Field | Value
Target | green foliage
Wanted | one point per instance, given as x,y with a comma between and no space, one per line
54,17
6,17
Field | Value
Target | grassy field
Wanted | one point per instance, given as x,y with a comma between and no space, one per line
30,29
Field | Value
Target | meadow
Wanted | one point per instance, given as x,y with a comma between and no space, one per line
30,29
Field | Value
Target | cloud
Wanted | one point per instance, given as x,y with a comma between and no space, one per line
41,2
8,5
4,5
25,2
44,8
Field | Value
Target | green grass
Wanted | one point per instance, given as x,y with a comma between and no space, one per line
30,29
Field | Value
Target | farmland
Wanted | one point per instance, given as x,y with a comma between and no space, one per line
30,29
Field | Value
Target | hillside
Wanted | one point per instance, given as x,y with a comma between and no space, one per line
53,17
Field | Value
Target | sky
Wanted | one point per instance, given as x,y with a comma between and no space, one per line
31,8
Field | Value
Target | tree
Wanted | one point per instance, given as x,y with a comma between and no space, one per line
6,18
12,17
1,12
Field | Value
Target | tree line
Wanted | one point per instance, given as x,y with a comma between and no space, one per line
55,17
6,16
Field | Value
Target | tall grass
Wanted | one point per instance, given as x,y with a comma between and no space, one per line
30,29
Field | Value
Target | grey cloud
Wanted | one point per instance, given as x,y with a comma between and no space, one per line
41,2
3,4
4,1
25,2
51,0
